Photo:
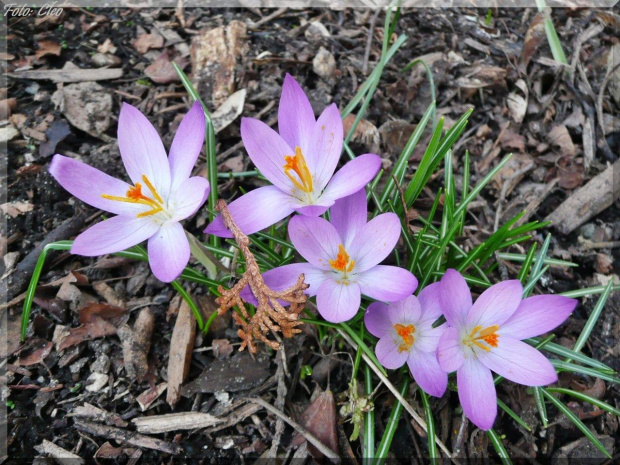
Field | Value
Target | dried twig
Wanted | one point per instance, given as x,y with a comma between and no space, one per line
270,314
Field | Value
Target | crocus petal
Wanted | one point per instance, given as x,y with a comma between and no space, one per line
454,297
325,146
312,210
315,239
450,351
349,215
519,362
168,252
427,372
375,241
188,197
387,283
283,277
537,315
477,393
267,150
88,184
338,302
352,177
186,145
427,338
254,211
429,301
405,311
113,235
296,119
388,354
377,320
142,150
496,304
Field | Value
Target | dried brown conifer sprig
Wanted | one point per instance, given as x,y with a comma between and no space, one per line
270,315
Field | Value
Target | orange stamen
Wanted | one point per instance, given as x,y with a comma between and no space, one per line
297,164
342,262
488,335
134,195
406,334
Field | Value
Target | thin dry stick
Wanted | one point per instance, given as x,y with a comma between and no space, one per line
311,438
418,419
270,315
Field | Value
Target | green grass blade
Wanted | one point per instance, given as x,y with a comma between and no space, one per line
430,428
592,319
540,405
36,274
538,263
513,414
502,453
586,398
210,143
192,305
390,427
565,366
565,352
589,291
368,451
576,421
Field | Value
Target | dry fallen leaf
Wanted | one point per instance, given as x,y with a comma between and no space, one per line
517,104
97,320
560,138
365,133
320,419
162,71
47,47
35,352
144,42
14,209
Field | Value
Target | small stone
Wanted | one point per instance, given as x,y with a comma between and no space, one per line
587,230
316,30
324,63
96,381
105,59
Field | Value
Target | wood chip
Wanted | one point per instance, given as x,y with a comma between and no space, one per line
181,347
137,343
128,437
214,55
174,421
146,399
90,412
60,455
588,201
72,75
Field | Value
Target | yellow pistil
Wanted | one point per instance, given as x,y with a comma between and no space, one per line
297,164
488,335
406,334
134,195
342,262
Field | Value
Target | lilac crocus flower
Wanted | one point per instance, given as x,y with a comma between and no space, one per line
343,259
487,336
162,192
406,334
299,162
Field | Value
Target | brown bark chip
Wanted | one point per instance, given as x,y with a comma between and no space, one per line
137,343
181,347
600,192
214,55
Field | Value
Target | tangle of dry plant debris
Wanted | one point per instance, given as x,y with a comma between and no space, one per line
270,314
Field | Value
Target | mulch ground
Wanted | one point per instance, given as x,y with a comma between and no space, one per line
74,382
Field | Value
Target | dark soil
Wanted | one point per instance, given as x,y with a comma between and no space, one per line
41,395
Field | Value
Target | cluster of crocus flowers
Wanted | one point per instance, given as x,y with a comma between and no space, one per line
478,338
299,161
343,259
162,192
406,334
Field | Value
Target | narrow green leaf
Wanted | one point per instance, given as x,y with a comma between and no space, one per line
390,427
502,453
430,427
576,421
592,319
586,398
513,415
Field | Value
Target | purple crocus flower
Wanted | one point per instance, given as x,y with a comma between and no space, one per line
406,334
162,194
487,336
299,162
343,259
